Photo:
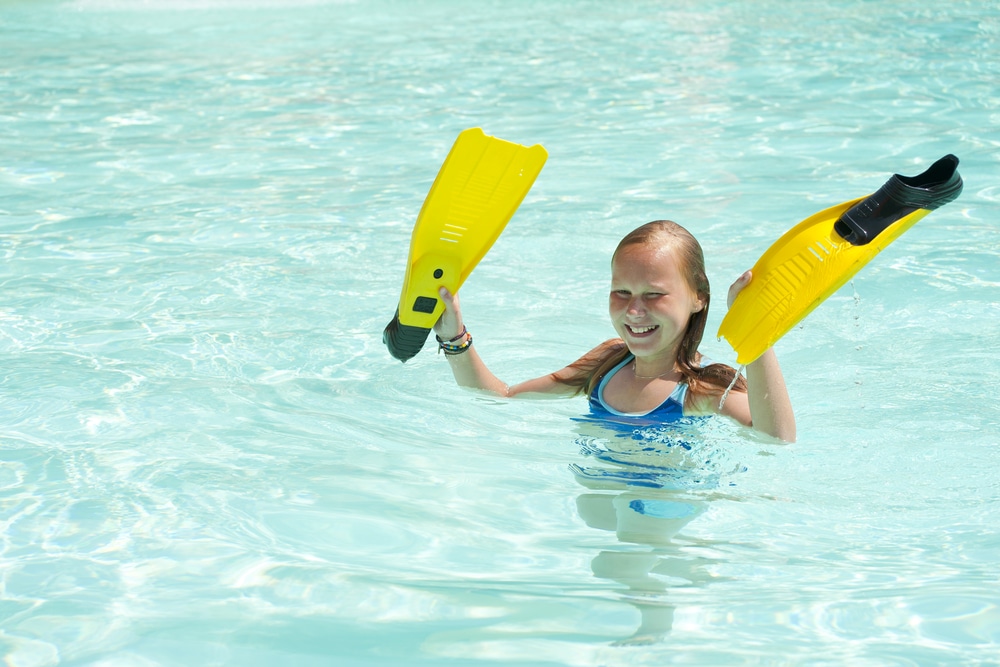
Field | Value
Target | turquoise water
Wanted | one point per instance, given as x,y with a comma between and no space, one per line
207,456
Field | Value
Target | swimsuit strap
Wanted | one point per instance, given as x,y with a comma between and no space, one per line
677,396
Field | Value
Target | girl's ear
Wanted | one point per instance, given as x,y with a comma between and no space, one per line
699,305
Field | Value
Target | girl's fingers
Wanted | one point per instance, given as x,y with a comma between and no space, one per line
450,323
738,286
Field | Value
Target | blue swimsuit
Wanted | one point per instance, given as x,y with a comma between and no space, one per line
648,449
669,410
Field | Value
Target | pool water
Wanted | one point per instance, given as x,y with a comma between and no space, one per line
207,456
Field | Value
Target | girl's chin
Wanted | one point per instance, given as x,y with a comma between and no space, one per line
641,343
649,344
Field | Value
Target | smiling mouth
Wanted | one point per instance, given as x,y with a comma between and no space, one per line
638,331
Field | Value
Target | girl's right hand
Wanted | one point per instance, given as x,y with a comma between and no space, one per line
449,325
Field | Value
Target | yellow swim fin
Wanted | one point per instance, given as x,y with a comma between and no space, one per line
817,256
481,183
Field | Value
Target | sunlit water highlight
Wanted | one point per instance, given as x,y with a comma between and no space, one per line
208,457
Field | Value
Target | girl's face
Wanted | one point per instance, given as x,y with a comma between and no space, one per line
650,302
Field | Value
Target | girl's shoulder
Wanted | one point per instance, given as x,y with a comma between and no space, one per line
580,373
709,382
610,346
596,357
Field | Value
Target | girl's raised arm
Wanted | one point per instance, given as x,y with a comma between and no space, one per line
767,407
469,369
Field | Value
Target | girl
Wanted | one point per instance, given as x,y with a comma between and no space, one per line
658,305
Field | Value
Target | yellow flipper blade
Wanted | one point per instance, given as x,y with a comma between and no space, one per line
479,187
820,254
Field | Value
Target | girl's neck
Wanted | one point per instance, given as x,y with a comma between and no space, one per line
653,369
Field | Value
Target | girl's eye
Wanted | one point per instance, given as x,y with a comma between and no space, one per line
621,292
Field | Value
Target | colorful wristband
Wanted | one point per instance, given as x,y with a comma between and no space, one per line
457,345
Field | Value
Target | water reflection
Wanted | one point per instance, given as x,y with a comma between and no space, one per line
645,485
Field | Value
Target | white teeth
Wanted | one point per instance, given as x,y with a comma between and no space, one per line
641,330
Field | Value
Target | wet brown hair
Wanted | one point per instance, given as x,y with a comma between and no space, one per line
713,379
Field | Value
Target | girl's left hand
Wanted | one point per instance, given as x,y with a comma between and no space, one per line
738,286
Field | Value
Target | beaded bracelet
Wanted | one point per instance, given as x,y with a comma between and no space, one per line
453,346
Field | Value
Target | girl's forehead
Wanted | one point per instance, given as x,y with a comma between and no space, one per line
645,253
646,263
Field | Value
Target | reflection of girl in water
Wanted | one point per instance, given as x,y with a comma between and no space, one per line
645,485
659,305
645,520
